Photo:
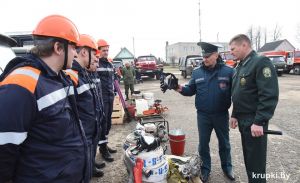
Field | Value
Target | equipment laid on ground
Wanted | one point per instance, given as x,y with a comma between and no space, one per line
184,169
141,105
177,142
137,95
149,96
155,166
148,143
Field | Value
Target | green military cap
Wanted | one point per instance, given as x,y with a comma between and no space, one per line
207,48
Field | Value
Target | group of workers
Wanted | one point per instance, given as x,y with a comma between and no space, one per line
55,107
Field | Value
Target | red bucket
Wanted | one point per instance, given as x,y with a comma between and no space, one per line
131,110
177,142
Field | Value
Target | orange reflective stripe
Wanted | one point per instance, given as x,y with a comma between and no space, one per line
73,75
26,77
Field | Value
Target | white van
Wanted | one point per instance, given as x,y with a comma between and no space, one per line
6,53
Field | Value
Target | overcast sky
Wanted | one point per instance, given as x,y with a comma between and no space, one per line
153,22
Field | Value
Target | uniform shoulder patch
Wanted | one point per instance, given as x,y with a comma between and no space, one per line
73,75
198,67
267,72
26,77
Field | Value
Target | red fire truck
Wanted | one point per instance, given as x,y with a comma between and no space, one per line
288,57
296,64
228,58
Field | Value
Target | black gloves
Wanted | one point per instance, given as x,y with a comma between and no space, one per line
168,81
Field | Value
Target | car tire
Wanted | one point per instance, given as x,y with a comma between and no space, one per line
184,74
287,71
297,70
157,76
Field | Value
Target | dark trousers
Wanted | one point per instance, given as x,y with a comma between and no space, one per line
106,121
127,86
90,161
138,76
254,150
220,123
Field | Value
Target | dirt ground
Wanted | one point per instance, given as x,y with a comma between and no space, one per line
283,151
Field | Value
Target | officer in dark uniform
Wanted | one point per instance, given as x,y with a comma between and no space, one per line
211,83
255,96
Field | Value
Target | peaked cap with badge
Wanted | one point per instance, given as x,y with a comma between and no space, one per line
207,48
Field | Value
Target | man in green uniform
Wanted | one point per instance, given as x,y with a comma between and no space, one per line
255,96
128,78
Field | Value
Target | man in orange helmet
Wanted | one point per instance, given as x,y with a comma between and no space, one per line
87,98
41,136
106,75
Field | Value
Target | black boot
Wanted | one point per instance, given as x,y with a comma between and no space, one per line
111,150
100,165
229,175
105,153
97,172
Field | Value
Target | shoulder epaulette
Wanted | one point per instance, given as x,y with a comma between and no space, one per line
73,75
26,77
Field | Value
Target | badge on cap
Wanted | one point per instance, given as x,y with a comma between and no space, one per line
267,72
207,48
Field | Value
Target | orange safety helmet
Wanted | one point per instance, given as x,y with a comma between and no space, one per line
89,41
57,26
102,43
98,53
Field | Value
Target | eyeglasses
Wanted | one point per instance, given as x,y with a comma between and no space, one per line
207,55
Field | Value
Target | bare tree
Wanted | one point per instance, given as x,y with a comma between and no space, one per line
265,35
298,33
257,38
250,34
276,33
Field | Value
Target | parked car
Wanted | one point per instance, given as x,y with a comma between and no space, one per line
228,58
5,51
279,63
188,63
148,66
21,51
118,65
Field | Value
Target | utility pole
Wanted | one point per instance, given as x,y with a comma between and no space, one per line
167,44
199,21
217,37
133,46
